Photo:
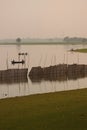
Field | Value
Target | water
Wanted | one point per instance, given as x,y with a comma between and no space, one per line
40,55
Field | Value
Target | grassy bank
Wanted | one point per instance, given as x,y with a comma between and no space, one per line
81,50
55,111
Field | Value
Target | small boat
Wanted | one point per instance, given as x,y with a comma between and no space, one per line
17,62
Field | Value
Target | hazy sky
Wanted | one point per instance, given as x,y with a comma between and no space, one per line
43,18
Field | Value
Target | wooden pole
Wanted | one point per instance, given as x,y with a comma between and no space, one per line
7,61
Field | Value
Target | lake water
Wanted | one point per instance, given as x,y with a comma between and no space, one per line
40,55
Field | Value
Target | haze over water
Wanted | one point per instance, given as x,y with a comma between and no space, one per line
43,18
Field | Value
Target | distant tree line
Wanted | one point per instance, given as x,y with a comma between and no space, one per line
75,39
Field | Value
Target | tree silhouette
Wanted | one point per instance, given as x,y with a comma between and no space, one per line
18,39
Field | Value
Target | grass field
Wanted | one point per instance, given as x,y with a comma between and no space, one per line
54,111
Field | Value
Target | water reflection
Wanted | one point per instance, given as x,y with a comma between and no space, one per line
57,78
15,89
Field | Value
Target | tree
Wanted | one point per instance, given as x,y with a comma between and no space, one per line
66,38
18,39
84,40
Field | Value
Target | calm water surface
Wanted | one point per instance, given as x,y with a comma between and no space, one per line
40,55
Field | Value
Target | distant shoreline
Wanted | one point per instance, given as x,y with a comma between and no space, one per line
44,43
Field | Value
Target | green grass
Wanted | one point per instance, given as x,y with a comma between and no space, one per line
54,111
81,50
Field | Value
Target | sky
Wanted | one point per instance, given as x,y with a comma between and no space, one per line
43,18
